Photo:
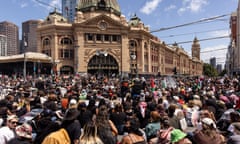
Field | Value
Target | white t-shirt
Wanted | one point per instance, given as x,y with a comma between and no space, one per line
6,134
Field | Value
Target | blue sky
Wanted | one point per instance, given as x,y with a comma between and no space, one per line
156,14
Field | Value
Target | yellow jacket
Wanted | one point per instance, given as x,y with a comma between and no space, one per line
58,137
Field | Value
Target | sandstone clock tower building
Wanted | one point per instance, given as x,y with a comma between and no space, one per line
102,41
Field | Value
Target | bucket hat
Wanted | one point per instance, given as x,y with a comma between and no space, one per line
177,135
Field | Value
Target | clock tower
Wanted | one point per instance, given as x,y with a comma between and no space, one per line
196,49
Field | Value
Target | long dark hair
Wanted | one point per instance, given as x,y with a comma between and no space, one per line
134,126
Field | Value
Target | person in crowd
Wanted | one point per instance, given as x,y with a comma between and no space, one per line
208,133
118,117
134,136
70,130
235,138
179,137
8,132
164,134
89,135
153,126
24,134
143,114
173,119
85,115
107,131
72,125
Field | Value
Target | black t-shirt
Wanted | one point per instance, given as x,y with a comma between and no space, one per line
118,118
84,117
74,130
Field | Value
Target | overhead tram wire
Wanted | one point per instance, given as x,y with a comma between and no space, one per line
213,50
48,5
174,35
212,38
191,23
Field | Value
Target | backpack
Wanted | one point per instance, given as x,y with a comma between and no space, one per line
58,137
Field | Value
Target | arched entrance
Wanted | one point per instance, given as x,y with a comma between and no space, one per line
103,65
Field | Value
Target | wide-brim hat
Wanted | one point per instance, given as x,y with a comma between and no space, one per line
71,114
24,130
177,135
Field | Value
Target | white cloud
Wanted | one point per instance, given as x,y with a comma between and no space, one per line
23,5
219,33
192,5
181,10
55,3
218,51
171,7
150,6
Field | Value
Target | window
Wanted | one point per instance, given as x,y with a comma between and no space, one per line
46,42
47,52
66,54
145,46
89,37
106,38
66,41
114,38
99,37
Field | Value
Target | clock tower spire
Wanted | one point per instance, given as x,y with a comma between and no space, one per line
196,48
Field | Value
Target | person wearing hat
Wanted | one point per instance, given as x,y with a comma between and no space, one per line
8,132
69,132
208,133
73,103
24,135
72,125
235,138
179,137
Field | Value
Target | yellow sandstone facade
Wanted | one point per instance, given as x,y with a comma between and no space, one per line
102,41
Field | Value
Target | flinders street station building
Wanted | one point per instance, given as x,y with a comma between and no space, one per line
102,41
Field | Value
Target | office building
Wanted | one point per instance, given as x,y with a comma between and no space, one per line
68,9
3,45
29,36
11,31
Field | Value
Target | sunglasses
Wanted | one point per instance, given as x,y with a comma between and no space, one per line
14,122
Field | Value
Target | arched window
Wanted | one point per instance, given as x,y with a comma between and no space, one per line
46,42
66,41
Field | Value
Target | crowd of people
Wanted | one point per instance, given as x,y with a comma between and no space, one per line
84,109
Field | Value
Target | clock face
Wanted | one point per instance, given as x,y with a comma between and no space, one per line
102,25
195,53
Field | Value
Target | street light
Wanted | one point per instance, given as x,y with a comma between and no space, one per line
24,55
133,57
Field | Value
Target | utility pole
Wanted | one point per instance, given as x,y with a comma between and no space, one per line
24,55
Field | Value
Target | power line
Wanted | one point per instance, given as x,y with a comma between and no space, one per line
221,37
213,50
191,23
192,33
47,4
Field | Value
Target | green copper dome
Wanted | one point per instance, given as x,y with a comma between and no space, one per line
57,16
105,5
134,21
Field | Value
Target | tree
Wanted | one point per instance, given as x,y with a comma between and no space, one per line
223,72
208,70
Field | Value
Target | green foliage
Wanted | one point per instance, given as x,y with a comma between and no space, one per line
208,70
223,72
